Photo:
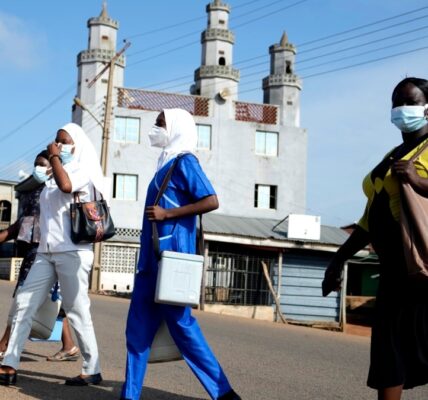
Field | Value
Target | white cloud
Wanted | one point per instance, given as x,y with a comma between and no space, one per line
20,45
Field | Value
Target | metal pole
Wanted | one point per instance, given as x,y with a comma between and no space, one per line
96,270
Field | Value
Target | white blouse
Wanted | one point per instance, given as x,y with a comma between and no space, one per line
55,223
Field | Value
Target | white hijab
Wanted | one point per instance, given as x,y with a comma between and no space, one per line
182,135
85,155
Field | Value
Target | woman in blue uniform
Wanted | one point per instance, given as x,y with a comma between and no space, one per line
188,194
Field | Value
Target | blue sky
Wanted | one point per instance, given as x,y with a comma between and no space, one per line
345,112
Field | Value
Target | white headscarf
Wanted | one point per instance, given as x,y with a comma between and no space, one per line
182,135
85,155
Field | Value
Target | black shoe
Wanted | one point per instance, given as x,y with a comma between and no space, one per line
95,379
231,395
8,379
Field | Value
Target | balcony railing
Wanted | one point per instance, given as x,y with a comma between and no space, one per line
157,101
251,112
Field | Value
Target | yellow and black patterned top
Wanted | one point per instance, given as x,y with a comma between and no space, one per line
373,183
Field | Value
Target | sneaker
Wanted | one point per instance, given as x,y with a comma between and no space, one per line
71,355
94,379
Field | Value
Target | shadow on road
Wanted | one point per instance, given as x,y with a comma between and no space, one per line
43,386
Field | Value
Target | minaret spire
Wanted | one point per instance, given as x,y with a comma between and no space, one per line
216,75
104,13
282,86
284,40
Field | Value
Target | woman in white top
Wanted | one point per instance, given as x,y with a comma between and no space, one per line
75,168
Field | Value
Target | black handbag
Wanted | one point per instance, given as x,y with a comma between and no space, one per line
91,222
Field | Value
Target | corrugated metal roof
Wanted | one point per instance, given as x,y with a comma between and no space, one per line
244,227
262,228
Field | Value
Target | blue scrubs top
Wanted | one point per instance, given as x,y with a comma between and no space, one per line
188,185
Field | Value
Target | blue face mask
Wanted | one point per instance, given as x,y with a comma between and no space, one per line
66,153
409,118
40,174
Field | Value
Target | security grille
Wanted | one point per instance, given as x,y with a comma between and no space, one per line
237,279
16,265
128,232
122,259
157,101
251,112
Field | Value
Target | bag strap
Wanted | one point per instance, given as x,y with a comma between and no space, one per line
76,197
155,233
420,151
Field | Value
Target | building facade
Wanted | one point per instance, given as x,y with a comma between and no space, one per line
254,154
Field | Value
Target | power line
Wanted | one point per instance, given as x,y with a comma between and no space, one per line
347,66
168,27
324,38
270,13
45,108
365,62
197,42
366,52
265,63
365,34
361,27
341,33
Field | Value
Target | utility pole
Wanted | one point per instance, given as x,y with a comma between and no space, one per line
96,269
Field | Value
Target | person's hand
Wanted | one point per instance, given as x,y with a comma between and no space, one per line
54,149
156,213
332,277
405,171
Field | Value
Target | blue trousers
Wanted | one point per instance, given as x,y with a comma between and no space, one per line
144,319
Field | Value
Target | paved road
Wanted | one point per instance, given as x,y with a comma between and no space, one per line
263,361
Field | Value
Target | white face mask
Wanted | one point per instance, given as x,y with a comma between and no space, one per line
66,153
409,118
41,173
158,136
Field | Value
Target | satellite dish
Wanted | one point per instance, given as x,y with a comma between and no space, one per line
224,94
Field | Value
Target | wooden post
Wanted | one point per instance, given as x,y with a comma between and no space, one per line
269,282
342,316
279,283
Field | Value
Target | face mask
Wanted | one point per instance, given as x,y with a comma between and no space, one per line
409,118
66,153
158,136
40,173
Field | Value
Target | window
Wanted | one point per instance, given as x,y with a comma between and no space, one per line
265,196
125,187
204,136
127,129
267,143
221,61
104,37
5,211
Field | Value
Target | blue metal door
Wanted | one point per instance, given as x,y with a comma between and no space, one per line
301,297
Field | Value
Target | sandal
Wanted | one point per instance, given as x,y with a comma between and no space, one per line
71,355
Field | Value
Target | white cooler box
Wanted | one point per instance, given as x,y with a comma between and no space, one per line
179,278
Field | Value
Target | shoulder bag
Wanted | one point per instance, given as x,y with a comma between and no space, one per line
46,316
91,221
179,274
414,227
